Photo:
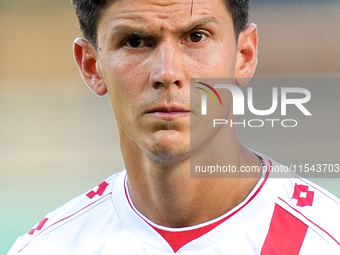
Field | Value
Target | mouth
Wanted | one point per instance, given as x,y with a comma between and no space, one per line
168,112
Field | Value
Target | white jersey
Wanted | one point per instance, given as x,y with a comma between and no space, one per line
280,216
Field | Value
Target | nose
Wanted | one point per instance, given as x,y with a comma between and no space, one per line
167,66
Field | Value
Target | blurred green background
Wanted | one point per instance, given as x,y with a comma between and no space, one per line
58,140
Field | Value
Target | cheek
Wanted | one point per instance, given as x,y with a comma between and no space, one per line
120,88
123,80
215,61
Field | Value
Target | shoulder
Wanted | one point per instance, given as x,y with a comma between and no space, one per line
304,217
315,212
71,217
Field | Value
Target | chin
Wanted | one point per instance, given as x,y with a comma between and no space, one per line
168,160
169,146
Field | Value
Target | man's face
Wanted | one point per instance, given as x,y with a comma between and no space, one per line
148,51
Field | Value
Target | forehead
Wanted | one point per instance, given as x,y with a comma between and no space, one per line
162,14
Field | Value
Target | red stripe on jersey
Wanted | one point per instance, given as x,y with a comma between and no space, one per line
39,227
177,239
101,188
69,216
311,222
286,234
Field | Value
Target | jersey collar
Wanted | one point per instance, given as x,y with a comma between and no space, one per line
259,202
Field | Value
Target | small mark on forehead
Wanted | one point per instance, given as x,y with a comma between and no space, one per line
191,8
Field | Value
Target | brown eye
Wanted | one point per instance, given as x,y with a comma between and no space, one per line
196,37
134,42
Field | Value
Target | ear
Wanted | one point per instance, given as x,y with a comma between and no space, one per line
246,55
87,60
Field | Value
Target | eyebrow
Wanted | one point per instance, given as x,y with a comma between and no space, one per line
196,24
129,30
143,32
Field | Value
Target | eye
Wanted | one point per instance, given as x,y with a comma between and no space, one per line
135,42
196,37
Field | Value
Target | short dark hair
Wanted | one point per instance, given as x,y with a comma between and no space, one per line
90,11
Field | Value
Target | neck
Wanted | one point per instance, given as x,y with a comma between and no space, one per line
169,197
